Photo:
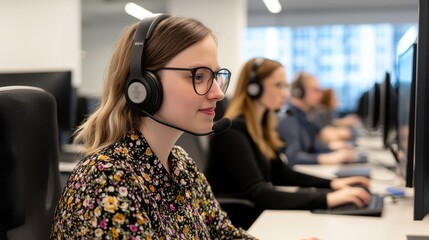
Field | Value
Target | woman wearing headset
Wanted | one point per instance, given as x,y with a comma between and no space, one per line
248,161
133,182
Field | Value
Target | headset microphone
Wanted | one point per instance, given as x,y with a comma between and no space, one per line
218,128
221,126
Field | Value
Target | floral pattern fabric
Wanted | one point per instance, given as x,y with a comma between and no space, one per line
124,192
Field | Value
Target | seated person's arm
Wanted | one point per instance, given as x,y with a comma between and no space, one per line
236,153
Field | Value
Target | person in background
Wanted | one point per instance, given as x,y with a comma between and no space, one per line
308,143
248,161
325,115
134,182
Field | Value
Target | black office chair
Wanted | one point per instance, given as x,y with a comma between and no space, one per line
30,180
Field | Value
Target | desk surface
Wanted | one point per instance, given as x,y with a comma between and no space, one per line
395,223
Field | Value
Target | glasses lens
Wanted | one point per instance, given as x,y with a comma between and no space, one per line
203,79
222,79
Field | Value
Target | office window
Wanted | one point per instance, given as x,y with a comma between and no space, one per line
347,58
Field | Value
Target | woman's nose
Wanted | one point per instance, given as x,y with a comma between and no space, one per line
215,92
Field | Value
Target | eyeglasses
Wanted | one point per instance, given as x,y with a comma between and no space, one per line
202,78
281,86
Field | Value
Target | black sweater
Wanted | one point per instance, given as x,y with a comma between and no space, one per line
237,167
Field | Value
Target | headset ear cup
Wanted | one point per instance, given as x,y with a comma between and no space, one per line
156,93
254,89
254,86
298,91
144,96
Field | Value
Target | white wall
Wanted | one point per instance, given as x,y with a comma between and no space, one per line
40,35
227,19
98,43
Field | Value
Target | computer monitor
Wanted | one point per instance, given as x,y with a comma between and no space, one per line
58,83
372,118
388,112
362,108
421,147
406,75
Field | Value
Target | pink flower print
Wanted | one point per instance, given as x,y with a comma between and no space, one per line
103,223
172,208
133,228
100,167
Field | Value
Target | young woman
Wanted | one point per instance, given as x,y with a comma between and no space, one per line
134,183
247,160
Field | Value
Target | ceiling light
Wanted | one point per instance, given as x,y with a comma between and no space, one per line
136,11
273,5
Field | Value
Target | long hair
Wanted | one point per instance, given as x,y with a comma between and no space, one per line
114,119
328,99
265,136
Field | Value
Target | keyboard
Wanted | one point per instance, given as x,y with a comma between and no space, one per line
373,209
350,172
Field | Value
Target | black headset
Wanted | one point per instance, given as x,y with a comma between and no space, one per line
298,89
143,89
254,86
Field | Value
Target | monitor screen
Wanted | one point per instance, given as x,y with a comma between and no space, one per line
406,73
421,148
388,114
58,83
362,108
372,120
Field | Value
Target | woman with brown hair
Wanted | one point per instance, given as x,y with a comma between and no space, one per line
248,160
134,182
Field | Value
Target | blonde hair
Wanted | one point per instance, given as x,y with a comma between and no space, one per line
265,136
328,99
114,119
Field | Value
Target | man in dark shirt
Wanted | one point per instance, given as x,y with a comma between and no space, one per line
301,134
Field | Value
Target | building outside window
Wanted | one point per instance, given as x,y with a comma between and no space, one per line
347,58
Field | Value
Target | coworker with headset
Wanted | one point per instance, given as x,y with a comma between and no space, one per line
302,134
134,183
248,161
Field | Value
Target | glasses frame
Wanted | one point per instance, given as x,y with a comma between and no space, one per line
194,71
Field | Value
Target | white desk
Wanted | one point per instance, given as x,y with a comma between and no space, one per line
395,224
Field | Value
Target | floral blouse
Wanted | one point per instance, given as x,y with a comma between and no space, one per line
124,192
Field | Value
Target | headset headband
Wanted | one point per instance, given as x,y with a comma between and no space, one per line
143,32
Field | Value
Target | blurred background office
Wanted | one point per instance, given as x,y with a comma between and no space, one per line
349,44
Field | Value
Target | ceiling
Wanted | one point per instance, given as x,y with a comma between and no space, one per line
318,5
99,10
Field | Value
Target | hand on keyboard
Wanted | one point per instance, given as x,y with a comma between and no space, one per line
354,195
374,208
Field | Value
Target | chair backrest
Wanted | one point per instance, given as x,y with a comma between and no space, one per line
30,179
196,147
